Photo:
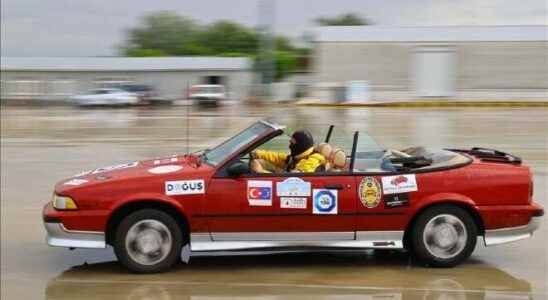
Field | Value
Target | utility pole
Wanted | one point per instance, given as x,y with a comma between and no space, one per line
267,47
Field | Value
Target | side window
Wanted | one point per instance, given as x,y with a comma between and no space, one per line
369,155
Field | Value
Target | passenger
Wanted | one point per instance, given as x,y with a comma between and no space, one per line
302,157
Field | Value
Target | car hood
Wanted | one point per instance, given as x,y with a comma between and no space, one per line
179,166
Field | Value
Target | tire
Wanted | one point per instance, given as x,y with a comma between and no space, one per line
443,236
148,241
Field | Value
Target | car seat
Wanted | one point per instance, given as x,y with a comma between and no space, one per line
336,158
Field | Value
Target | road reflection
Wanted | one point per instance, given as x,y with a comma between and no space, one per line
375,275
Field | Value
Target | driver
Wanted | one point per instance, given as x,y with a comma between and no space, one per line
302,156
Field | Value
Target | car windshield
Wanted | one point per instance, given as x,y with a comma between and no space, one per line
135,88
227,148
97,92
104,91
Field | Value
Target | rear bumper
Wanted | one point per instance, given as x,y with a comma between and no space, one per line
512,234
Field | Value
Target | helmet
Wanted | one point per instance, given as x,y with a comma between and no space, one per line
302,141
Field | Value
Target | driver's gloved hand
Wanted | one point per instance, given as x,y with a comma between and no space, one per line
253,155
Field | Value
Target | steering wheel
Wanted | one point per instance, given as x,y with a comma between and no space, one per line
249,163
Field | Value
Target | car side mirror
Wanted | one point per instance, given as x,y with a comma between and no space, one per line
238,168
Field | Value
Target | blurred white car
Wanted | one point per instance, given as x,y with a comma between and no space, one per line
106,96
207,93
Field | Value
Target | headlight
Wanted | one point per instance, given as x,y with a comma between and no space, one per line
63,203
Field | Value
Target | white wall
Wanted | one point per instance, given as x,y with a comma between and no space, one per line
44,85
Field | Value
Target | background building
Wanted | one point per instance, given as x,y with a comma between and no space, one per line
461,62
57,78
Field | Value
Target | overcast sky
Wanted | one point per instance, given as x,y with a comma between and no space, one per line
97,27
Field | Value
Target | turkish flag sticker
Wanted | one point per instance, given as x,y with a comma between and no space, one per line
259,193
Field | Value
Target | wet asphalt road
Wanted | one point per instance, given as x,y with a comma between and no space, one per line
42,145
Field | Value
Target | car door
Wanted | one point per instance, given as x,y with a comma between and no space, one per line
315,207
383,205
103,96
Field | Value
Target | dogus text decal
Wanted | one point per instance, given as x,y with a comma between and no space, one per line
185,187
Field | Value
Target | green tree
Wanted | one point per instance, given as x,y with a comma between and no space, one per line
168,34
348,19
286,63
227,36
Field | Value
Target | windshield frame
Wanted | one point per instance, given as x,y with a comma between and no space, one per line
270,129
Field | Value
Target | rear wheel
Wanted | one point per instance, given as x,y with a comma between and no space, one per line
148,241
444,236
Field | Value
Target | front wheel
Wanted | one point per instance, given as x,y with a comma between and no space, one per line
148,241
444,236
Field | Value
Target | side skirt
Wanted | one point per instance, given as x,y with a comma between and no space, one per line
201,242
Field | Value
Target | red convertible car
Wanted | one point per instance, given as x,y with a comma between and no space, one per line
432,203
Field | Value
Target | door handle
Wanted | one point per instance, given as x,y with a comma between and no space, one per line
334,186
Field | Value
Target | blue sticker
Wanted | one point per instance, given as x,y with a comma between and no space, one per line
325,201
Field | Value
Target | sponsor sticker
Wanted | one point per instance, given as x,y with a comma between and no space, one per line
165,169
324,201
115,167
396,200
293,187
370,192
185,187
259,192
75,181
399,184
293,202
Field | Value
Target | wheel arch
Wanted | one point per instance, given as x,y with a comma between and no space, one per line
465,205
131,206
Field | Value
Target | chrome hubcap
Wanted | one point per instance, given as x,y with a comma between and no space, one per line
148,242
445,236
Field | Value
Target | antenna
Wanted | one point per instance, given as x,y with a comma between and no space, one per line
187,118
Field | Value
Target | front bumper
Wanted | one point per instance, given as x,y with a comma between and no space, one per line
59,236
512,234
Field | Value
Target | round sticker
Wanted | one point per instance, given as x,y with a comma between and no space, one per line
165,169
370,192
325,201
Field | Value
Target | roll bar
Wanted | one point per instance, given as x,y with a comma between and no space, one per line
353,155
328,136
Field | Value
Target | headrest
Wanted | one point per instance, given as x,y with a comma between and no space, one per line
324,149
338,158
